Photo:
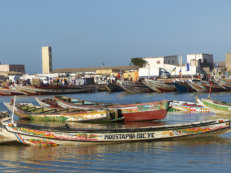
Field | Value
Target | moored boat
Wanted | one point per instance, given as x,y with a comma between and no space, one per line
45,90
131,112
47,102
66,135
30,111
215,106
187,106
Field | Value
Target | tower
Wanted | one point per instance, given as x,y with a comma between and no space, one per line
46,60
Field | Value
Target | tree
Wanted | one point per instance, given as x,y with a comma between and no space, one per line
138,61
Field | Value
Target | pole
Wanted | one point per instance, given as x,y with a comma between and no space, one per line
12,116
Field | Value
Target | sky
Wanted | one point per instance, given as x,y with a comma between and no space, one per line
89,33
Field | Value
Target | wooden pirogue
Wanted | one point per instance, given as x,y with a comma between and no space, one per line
53,136
215,106
130,112
30,111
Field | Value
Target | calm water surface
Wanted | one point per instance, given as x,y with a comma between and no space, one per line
198,155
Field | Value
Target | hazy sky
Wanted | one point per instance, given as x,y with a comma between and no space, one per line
87,33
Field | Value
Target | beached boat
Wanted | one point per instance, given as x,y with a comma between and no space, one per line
113,87
137,87
130,112
213,87
182,86
10,92
159,86
30,111
187,106
197,86
66,135
215,106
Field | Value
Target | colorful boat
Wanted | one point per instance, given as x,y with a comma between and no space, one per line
47,102
215,105
130,112
187,106
66,135
30,111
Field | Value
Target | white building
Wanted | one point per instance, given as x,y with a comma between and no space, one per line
46,60
202,60
155,66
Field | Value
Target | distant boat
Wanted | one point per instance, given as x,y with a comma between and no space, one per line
137,87
182,86
197,86
159,86
113,87
45,90
66,135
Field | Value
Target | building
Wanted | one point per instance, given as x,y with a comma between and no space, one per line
46,60
156,65
95,70
228,61
200,60
12,69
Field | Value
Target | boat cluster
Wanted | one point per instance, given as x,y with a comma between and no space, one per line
72,110
149,85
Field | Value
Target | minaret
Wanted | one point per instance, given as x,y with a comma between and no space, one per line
46,60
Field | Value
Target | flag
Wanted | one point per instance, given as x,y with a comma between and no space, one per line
173,70
188,67
180,73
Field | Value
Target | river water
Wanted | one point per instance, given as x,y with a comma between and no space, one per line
182,155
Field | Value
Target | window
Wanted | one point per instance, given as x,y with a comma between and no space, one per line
168,61
158,62
173,62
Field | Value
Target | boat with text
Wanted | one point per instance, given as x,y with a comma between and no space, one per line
67,135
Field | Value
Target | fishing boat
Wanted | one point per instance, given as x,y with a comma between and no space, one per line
182,86
130,112
137,87
30,111
197,86
113,87
215,106
10,92
187,106
213,87
47,102
67,135
46,90
159,86
69,102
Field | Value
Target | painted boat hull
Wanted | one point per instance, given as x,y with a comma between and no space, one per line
187,106
130,112
68,115
44,136
215,106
